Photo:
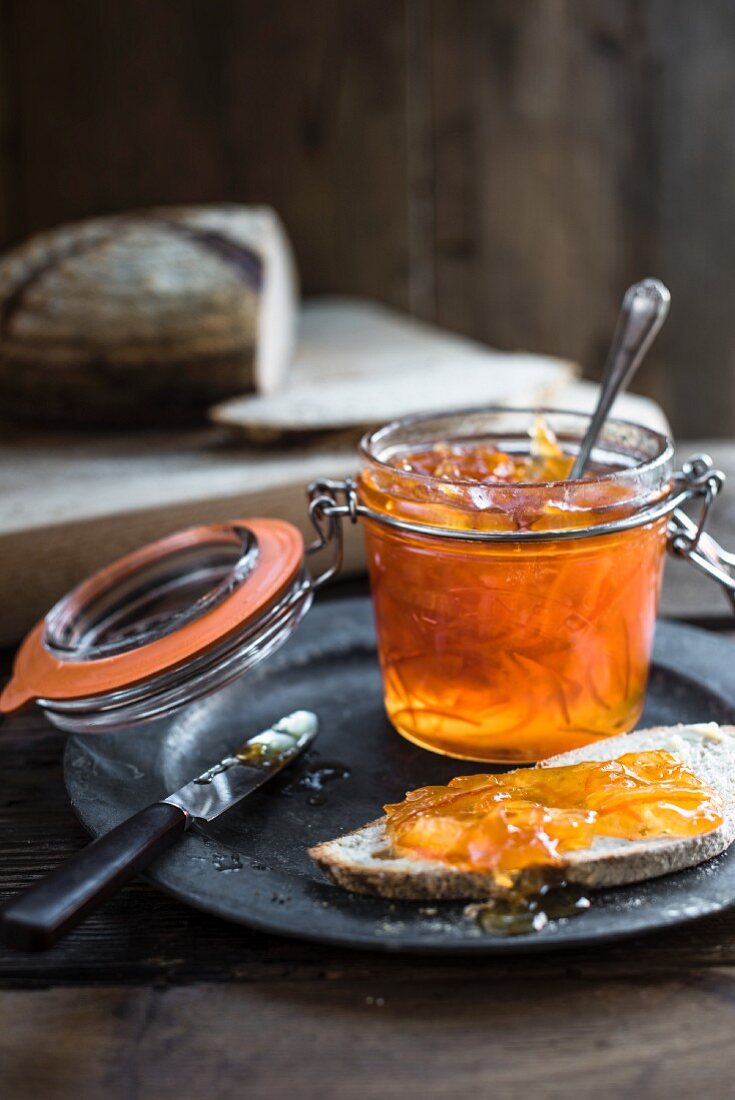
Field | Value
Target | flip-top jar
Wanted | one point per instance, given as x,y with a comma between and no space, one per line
515,617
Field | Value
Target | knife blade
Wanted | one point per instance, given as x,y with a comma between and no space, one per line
247,768
39,917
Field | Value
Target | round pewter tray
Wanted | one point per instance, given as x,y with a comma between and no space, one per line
251,865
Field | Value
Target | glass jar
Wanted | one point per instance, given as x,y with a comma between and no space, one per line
516,648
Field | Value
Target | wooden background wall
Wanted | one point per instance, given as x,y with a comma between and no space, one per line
503,167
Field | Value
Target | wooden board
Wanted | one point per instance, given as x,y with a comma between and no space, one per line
381,1034
359,365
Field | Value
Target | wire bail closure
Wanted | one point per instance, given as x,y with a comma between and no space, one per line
331,502
689,539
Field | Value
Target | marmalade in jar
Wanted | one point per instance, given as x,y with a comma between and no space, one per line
509,651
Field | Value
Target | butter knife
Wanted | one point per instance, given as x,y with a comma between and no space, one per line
39,917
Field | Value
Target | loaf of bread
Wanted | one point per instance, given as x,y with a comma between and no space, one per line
146,317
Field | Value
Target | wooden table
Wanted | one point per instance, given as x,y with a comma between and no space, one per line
152,999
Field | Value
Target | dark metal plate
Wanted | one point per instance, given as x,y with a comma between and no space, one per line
251,865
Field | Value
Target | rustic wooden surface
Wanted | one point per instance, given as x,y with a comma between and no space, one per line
502,168
152,999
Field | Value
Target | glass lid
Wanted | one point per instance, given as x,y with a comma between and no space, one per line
164,625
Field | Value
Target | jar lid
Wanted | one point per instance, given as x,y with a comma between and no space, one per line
163,625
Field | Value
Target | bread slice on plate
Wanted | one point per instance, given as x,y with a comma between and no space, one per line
363,862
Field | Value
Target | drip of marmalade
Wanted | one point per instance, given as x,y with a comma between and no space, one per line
513,651
532,816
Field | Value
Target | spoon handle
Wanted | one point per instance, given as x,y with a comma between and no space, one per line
642,314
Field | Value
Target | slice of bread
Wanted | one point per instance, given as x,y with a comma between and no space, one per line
363,861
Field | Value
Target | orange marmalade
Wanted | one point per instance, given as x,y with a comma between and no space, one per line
531,817
509,651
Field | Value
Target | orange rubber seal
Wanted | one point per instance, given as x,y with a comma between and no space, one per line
38,674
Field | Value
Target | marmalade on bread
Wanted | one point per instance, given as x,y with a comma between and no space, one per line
503,824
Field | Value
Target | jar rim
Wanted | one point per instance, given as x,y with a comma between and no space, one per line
664,455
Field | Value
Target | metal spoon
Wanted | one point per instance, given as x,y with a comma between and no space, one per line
642,314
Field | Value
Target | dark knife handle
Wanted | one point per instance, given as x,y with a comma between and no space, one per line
40,916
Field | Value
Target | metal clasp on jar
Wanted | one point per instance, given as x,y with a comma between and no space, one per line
698,481
329,502
688,538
